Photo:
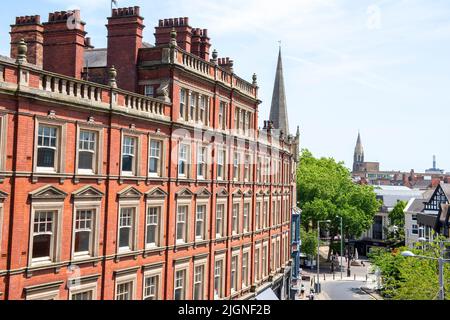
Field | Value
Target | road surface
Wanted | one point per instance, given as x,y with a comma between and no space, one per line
344,290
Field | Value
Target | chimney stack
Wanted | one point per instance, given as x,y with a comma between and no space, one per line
31,30
125,33
184,33
64,43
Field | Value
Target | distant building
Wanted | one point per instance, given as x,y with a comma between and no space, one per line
369,173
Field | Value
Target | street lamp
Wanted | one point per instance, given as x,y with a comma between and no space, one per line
342,245
318,253
441,260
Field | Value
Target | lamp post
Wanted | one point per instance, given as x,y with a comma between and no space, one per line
318,253
441,262
342,245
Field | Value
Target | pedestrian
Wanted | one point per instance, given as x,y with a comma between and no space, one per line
311,294
302,291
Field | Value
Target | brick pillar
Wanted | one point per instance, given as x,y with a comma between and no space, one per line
31,30
125,29
64,43
205,46
184,32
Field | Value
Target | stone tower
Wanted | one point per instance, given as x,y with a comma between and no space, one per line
358,156
278,110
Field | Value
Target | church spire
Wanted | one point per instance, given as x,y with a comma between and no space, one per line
358,156
278,110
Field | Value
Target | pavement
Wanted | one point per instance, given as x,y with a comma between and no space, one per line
361,285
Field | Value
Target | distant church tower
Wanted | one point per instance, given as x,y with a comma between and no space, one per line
278,110
358,157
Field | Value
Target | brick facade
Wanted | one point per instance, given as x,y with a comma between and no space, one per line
136,170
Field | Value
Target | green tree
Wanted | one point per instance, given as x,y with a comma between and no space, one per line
326,191
309,242
397,215
410,278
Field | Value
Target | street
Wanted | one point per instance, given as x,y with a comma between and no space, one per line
344,290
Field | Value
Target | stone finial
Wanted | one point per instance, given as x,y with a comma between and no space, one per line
255,80
173,38
22,50
112,77
215,55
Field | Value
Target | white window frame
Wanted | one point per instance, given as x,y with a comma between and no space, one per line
246,252
183,203
59,161
258,215
235,227
181,267
160,157
148,92
257,263
202,203
88,287
185,160
235,257
247,167
247,226
236,166
184,109
136,156
97,159
219,295
155,272
265,258
3,140
159,204
221,162
135,226
202,161
223,233
94,206
203,282
126,279
55,249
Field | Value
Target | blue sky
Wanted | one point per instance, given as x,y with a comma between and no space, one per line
381,67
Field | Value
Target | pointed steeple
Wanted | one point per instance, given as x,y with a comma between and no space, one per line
278,110
358,156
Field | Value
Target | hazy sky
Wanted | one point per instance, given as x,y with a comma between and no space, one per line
381,67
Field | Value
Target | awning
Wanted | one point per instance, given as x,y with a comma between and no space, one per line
267,294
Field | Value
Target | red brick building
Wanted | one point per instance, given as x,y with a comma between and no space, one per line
146,180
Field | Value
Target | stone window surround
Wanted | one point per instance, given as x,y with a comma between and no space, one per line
60,161
189,90
137,153
236,252
163,140
152,272
3,140
223,201
180,266
98,130
128,204
83,287
265,270
119,279
257,275
58,208
87,205
188,203
250,215
1,224
220,148
48,291
189,162
221,257
249,264
201,262
236,200
161,204
207,160
260,222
